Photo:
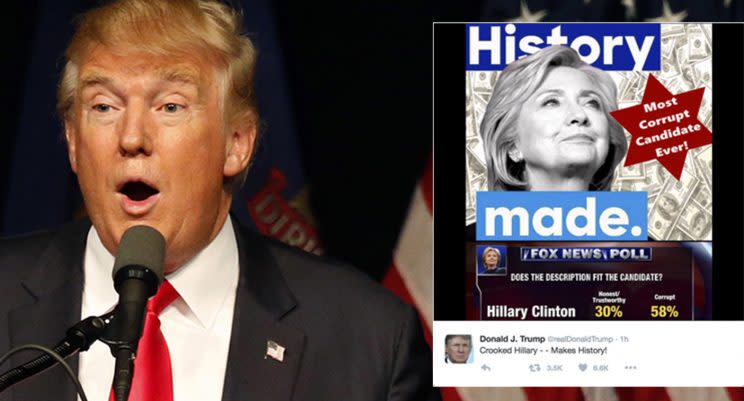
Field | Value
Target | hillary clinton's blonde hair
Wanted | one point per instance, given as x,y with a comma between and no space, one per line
515,85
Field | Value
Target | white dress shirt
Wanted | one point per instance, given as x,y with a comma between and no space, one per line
196,326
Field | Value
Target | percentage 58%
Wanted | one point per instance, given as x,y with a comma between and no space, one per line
664,311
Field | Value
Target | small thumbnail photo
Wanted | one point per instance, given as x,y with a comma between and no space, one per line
491,260
458,348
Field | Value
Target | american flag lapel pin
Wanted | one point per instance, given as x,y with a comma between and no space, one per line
274,350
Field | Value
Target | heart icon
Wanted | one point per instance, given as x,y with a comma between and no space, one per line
582,366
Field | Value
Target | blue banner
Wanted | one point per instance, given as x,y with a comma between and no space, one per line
561,216
606,46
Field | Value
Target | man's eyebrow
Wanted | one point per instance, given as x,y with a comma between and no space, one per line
178,74
93,79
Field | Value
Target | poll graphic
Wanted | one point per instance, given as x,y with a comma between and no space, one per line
599,281
589,160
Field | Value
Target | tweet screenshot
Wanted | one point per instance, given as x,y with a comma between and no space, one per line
601,240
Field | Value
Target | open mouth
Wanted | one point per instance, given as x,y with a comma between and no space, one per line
138,190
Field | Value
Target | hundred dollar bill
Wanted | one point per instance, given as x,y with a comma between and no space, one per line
683,63
669,204
698,46
633,87
680,41
669,69
669,198
660,174
672,30
469,201
634,172
696,221
476,165
703,160
651,202
483,82
703,70
672,35
681,84
706,110
708,32
667,46
472,134
679,235
702,197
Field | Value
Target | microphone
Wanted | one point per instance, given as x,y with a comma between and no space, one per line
137,274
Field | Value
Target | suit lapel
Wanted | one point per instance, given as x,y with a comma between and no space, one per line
49,301
263,298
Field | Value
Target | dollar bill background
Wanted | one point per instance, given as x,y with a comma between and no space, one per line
677,210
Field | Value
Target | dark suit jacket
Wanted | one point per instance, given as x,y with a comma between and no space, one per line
345,337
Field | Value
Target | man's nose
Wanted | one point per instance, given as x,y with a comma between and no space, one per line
135,137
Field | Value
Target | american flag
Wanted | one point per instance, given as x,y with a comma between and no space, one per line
612,10
274,350
410,277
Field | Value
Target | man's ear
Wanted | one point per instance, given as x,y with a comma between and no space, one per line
70,135
240,142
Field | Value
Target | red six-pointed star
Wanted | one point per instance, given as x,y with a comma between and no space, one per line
664,126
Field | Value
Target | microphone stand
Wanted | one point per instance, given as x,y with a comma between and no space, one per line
78,338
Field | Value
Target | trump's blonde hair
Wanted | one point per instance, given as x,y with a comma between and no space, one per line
175,28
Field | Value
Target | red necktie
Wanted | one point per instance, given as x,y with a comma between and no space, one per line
153,378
